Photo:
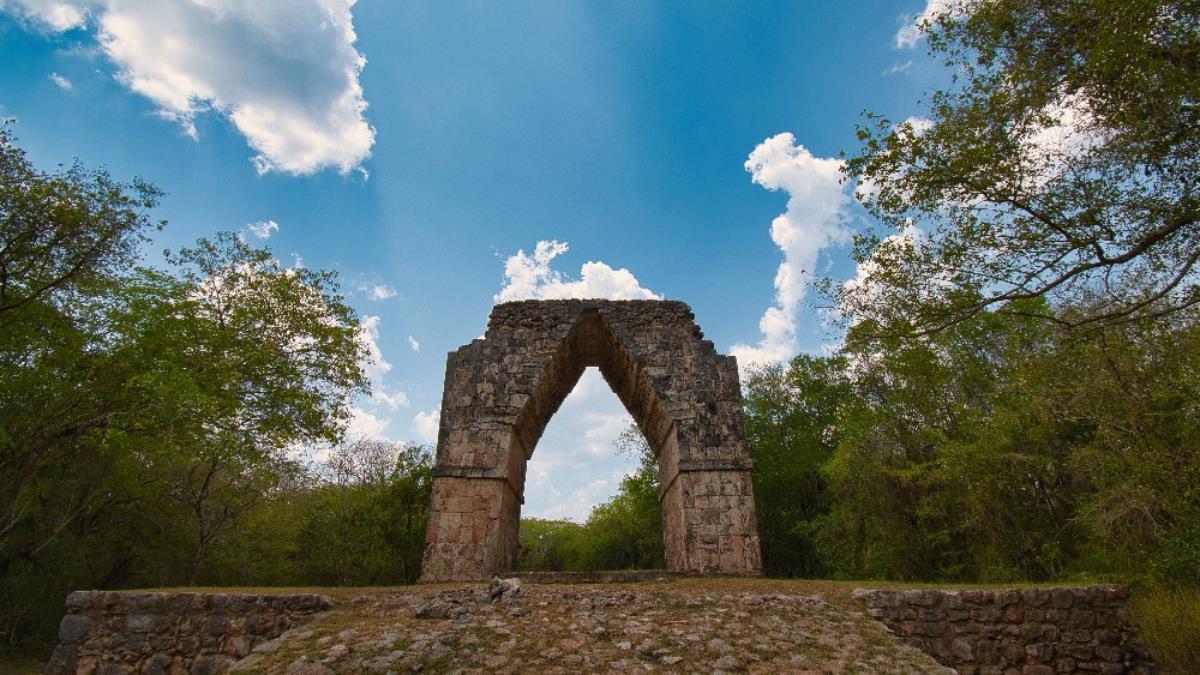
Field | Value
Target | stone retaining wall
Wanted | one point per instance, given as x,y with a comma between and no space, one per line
1030,631
146,632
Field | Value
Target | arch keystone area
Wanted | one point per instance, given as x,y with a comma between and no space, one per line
501,391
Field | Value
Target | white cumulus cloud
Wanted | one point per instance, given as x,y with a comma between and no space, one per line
816,211
425,424
530,277
285,72
263,228
363,424
57,15
383,399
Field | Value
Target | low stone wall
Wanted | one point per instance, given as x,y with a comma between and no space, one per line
1032,631
114,632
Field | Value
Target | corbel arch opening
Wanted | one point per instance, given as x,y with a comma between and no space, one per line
590,343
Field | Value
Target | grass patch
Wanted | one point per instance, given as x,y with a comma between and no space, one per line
1170,623
439,665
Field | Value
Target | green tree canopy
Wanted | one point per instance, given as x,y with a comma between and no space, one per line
64,231
144,412
1062,163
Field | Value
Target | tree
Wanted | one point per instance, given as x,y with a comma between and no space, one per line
544,543
144,413
1062,163
792,425
64,231
365,523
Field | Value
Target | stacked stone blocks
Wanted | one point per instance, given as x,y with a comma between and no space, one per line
149,632
500,392
1033,631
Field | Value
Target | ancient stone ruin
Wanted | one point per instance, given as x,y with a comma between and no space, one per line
501,391
1034,631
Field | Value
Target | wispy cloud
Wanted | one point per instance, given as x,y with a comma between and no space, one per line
413,344
262,229
377,292
61,82
913,30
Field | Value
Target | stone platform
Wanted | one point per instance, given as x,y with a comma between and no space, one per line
709,625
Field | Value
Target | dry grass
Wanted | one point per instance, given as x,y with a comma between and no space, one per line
1170,627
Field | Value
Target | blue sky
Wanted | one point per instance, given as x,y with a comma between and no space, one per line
425,149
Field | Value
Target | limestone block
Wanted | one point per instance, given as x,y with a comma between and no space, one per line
1027,630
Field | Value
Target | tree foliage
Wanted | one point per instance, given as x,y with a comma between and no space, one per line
791,421
145,412
1061,163
998,449
65,231
366,526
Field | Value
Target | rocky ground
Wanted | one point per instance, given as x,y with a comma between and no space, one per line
681,625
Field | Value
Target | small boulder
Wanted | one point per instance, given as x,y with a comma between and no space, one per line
442,609
501,590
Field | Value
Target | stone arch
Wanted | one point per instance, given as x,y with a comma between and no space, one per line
501,390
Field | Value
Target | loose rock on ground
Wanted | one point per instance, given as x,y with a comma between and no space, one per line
646,627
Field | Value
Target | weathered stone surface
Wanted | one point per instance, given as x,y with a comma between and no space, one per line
138,632
500,392
1033,631
504,589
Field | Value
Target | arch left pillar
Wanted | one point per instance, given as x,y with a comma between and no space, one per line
479,473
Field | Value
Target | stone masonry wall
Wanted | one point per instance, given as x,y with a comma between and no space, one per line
114,632
1032,631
